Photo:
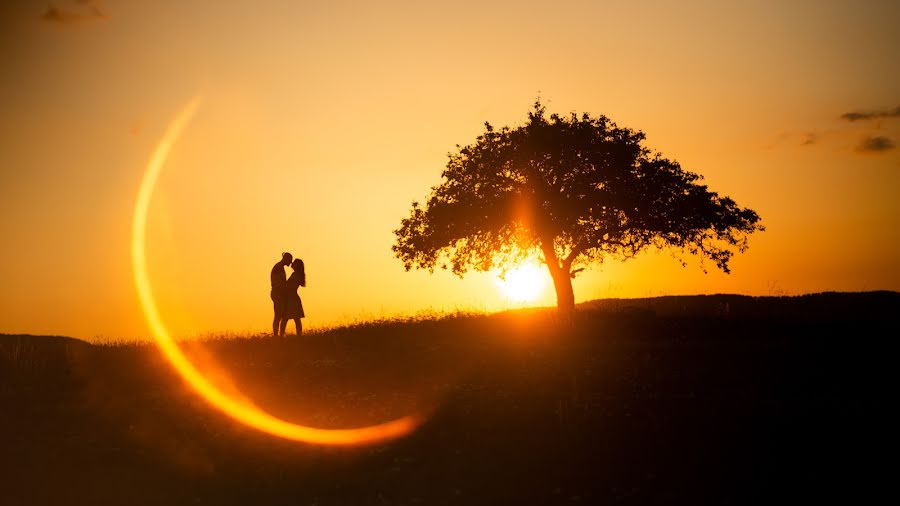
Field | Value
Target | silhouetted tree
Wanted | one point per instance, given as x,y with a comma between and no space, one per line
580,190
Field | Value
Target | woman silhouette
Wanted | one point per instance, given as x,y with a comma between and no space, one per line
293,306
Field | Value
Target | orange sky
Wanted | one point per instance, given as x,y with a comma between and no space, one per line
321,122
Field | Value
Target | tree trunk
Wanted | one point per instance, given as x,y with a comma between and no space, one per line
565,296
562,280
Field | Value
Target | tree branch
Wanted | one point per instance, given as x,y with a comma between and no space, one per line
577,250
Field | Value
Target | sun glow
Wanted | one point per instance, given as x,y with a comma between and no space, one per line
523,283
240,409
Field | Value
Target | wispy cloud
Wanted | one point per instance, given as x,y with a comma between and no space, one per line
867,115
875,144
788,138
809,138
76,11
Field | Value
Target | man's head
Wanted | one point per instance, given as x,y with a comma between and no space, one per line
286,258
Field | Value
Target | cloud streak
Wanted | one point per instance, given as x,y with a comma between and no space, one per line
867,115
84,11
875,144
809,138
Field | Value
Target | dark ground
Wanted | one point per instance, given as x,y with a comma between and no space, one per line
674,400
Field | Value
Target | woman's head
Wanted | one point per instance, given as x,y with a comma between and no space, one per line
297,265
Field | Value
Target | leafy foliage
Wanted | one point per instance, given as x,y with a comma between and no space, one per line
579,188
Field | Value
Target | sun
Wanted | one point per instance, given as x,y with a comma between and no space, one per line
524,283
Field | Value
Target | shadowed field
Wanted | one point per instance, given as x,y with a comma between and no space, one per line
712,399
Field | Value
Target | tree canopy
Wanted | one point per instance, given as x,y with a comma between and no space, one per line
580,190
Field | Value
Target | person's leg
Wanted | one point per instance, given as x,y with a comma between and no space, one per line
298,325
283,327
277,317
278,309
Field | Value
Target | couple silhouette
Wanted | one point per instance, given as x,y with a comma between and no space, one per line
285,298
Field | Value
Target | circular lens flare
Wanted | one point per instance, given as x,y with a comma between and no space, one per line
236,407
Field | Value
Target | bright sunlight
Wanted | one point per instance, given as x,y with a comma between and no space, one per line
523,283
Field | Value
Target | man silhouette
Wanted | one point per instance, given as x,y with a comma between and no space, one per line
278,296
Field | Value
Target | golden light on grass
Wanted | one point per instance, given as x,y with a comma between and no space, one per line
524,283
236,407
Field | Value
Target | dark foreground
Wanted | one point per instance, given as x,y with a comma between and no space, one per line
720,399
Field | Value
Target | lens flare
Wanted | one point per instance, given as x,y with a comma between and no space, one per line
238,408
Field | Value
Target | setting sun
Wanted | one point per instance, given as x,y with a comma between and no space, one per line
523,283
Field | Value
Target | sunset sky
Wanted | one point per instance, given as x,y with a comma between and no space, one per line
320,122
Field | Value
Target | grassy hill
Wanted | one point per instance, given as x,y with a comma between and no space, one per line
709,399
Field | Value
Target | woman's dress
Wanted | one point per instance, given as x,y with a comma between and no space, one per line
293,306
